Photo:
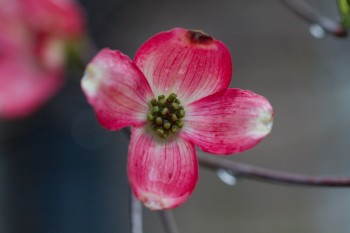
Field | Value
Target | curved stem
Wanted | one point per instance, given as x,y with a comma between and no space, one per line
136,215
312,15
168,221
257,173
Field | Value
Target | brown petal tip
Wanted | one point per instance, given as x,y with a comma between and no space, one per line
199,37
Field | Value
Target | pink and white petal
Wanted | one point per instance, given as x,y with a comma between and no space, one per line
189,63
117,90
162,174
24,87
228,123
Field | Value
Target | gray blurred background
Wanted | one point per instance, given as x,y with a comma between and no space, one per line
60,172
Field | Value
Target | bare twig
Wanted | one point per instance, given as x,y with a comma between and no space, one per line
136,215
310,14
257,173
168,221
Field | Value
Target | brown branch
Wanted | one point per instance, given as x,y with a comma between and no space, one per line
310,14
257,173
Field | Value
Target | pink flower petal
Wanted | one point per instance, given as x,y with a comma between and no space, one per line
228,123
60,17
14,36
33,37
24,87
189,63
117,90
162,174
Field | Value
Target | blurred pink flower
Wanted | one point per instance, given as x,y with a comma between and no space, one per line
34,35
175,95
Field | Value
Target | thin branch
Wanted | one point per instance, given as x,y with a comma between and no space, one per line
168,221
257,173
136,215
310,14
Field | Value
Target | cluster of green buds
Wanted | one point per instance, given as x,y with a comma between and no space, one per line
166,115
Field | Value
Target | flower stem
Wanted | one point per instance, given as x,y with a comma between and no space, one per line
310,14
136,215
257,173
168,221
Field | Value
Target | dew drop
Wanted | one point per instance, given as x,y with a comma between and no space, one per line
317,31
226,177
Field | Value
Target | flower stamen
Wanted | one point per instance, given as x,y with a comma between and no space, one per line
165,115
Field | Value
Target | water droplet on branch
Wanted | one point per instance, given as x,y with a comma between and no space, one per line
317,31
226,177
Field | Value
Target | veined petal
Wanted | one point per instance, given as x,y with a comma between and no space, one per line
162,173
189,63
117,90
228,123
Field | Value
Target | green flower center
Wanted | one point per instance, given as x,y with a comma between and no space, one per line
165,115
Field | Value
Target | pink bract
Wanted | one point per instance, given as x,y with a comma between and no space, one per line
34,35
62,17
162,164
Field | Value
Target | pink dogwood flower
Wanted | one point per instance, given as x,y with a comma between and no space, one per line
34,35
175,96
